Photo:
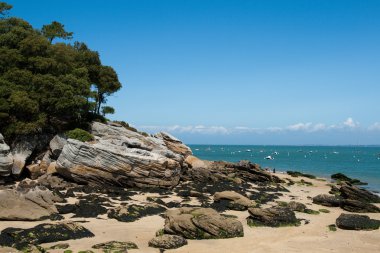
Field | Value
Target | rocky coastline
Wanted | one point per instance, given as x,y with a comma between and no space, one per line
126,191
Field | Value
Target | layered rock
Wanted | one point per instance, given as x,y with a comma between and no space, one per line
121,157
221,170
34,204
201,223
6,158
348,191
272,217
327,200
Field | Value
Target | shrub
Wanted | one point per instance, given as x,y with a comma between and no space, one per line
80,135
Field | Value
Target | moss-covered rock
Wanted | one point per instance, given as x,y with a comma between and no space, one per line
272,217
43,233
115,246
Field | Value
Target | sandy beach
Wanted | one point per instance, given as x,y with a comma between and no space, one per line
314,236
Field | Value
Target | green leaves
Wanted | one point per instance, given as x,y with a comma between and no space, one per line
42,84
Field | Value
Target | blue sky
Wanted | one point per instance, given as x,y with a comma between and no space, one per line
235,72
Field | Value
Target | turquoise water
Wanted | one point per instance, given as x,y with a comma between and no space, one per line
356,162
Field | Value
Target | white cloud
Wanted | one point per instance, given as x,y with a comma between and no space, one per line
308,127
374,127
350,123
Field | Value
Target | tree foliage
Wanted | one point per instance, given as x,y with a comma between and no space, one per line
56,30
49,85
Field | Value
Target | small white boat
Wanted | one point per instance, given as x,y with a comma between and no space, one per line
248,150
268,157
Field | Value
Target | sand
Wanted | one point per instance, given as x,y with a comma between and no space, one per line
312,237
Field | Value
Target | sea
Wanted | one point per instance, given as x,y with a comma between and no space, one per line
361,162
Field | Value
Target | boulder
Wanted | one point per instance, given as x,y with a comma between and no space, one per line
235,200
348,191
174,144
34,170
296,206
6,158
35,204
201,223
272,217
44,233
356,222
120,157
357,206
115,246
167,242
23,148
327,200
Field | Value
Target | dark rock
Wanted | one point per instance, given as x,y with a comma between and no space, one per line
65,209
167,242
115,246
134,212
299,174
357,206
340,177
43,233
348,191
272,217
89,209
60,246
201,223
356,222
327,200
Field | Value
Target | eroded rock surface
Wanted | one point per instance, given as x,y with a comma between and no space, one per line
167,241
6,158
272,217
120,157
201,223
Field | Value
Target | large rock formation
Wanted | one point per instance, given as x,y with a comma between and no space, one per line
272,217
221,170
34,204
122,157
6,158
201,223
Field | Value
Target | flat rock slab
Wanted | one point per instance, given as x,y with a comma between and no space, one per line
201,223
44,233
115,246
327,200
167,242
356,222
272,217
